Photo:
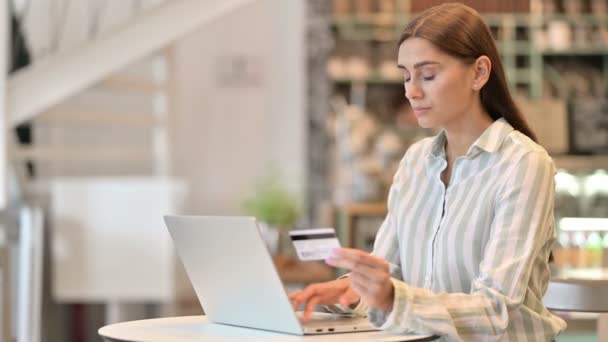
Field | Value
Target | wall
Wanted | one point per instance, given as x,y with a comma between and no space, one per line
240,104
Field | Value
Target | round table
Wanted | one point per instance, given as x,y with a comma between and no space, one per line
197,328
581,290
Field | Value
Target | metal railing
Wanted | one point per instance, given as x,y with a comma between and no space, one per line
21,271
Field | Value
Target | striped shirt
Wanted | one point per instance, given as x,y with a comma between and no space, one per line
470,262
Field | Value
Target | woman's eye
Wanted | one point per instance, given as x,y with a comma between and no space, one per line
406,80
428,78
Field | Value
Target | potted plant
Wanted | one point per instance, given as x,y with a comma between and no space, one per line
276,209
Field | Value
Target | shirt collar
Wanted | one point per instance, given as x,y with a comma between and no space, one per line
490,140
438,145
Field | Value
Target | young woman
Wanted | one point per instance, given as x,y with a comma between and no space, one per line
464,249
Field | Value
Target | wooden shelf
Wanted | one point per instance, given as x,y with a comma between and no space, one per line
383,27
582,274
364,209
576,163
578,50
294,271
349,214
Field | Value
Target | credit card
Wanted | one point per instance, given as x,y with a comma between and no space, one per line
314,244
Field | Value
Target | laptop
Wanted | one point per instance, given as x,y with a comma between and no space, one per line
235,279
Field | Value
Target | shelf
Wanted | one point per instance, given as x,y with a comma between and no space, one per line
589,50
519,76
492,19
583,224
594,274
581,163
350,213
514,47
576,18
402,18
513,20
364,209
377,35
295,271
373,19
372,27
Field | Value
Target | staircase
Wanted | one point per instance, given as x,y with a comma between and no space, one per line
120,126
101,115
47,82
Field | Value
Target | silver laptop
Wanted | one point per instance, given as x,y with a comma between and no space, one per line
235,279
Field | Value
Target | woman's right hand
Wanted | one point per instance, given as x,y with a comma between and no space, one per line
331,292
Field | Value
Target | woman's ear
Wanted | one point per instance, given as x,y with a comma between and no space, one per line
482,67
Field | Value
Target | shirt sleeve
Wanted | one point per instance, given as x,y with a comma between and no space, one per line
520,229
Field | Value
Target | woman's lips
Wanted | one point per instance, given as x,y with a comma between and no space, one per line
420,110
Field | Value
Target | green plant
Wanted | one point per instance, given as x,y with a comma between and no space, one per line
273,203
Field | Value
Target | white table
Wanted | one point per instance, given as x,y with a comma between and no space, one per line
196,328
581,290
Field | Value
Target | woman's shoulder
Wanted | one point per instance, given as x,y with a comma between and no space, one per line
523,142
518,147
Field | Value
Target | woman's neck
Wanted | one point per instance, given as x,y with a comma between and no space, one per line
462,133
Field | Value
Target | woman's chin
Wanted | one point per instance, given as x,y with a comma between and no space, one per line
426,122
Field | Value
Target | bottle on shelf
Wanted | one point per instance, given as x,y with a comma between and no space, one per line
562,253
594,248
580,258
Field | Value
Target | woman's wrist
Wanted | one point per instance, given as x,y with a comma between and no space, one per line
390,298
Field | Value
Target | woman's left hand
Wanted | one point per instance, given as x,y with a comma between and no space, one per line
369,276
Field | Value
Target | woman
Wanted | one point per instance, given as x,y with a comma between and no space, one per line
464,249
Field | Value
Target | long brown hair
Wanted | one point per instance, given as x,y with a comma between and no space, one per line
459,31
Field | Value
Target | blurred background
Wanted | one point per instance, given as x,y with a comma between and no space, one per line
117,112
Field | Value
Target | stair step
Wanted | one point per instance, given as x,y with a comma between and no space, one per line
62,154
66,118
135,85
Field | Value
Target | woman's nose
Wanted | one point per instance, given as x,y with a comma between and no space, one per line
413,91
